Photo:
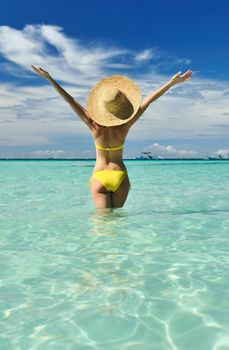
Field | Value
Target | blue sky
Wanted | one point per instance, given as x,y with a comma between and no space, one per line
81,43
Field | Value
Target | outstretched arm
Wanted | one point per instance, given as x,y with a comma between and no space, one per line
78,109
177,78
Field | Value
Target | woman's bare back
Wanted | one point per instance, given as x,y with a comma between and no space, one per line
109,137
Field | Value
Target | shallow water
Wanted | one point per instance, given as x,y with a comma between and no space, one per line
151,275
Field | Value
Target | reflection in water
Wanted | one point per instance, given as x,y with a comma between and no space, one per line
107,221
108,280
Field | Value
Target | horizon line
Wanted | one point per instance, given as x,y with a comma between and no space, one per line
201,158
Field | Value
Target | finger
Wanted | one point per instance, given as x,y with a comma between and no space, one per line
177,74
186,74
35,69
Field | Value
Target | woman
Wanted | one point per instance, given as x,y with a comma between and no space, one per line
109,182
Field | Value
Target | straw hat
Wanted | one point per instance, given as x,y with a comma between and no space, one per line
113,100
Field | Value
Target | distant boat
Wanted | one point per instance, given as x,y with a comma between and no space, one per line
220,156
148,155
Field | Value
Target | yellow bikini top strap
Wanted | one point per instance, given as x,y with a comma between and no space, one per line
109,148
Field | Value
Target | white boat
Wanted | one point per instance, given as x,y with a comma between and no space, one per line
148,155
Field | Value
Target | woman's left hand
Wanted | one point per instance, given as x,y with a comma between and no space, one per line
177,78
41,72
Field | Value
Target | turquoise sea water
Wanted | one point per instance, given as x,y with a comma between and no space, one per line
151,275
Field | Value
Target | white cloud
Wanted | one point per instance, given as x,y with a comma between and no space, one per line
184,61
145,55
222,152
22,139
47,46
169,151
48,153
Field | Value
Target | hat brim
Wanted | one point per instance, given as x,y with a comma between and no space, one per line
95,107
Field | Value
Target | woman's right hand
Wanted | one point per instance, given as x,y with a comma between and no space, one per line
41,72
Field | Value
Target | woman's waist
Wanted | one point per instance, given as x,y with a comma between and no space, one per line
109,166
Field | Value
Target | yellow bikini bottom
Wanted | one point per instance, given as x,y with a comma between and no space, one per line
110,179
